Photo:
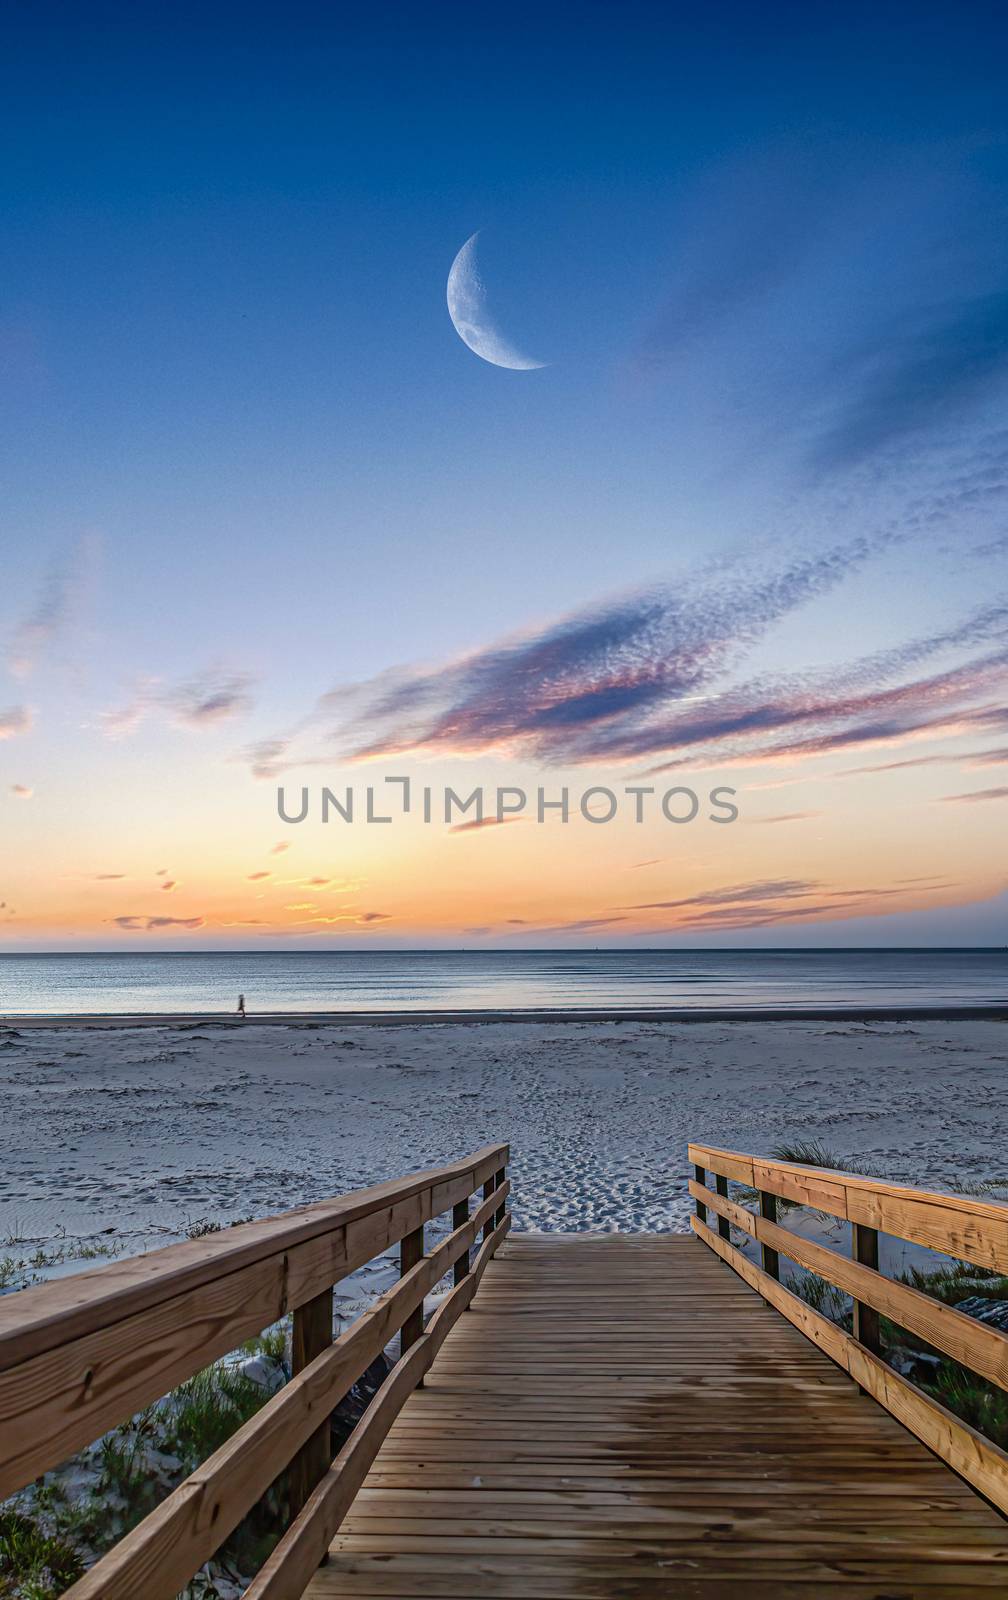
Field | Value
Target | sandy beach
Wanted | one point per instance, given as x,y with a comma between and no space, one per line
127,1136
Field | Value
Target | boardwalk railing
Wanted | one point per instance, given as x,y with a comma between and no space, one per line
79,1356
975,1231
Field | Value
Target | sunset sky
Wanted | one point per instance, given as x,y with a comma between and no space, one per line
267,521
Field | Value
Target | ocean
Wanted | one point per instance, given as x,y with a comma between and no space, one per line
530,980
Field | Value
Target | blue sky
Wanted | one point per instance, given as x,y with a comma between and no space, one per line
244,453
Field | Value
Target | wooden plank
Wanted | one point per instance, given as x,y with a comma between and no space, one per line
444,1577
684,1442
964,1339
731,1163
158,1557
297,1556
967,1452
807,1186
939,1222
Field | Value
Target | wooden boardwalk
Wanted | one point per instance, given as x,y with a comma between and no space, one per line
582,1417
621,1416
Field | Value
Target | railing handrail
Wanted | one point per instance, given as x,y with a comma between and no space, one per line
958,1225
157,1557
81,1355
34,1320
997,1209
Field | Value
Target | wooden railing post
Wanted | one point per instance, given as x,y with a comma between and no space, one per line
723,1225
490,1224
411,1252
499,1184
700,1174
864,1248
460,1216
770,1259
312,1333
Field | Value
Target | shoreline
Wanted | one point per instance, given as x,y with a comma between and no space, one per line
432,1017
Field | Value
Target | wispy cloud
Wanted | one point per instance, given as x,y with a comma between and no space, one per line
1000,793
267,757
483,822
14,721
916,375
40,625
209,698
619,681
795,720
737,893
752,222
142,924
52,613
768,902
660,677
786,816
584,925
21,791
203,701
946,758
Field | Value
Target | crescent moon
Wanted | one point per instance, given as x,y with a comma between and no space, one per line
472,322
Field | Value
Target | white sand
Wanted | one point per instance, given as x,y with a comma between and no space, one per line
144,1130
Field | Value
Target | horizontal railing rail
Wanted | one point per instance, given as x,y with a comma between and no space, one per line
971,1230
80,1356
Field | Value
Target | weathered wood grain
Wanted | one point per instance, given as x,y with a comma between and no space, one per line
962,1226
157,1558
36,1319
61,1395
973,1344
619,1418
981,1463
306,1542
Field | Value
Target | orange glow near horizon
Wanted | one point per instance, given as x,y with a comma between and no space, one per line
229,872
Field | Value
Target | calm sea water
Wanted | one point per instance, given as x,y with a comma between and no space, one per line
491,980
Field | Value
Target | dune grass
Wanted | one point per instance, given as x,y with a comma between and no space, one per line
967,1395
813,1153
50,1533
34,1565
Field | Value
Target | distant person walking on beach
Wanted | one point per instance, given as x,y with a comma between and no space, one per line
241,1005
